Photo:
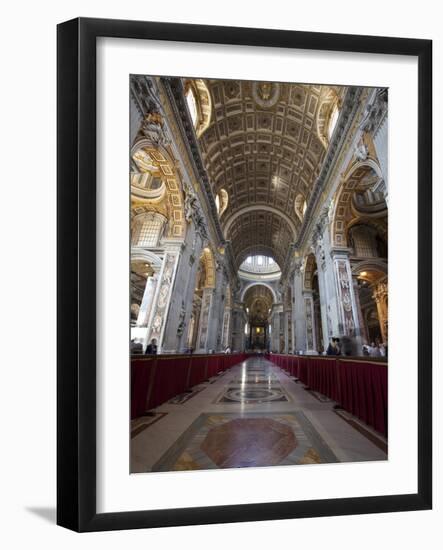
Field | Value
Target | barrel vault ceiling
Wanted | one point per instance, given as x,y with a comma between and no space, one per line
264,147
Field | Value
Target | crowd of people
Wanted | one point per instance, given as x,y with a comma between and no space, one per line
345,346
349,346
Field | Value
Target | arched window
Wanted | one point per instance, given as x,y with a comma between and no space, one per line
192,106
221,201
148,229
300,206
333,117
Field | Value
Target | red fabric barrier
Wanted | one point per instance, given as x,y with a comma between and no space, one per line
364,392
214,365
141,373
359,386
197,373
156,379
170,379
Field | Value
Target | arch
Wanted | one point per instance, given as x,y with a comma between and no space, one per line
370,265
207,258
369,163
249,286
260,230
259,206
360,176
257,250
310,266
258,300
162,164
371,270
147,256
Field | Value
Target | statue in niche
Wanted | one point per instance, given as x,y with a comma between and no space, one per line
193,212
153,129
361,151
191,204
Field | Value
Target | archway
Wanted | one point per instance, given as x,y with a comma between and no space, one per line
201,305
372,286
258,300
312,305
145,269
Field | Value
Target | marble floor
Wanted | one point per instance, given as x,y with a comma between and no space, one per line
252,415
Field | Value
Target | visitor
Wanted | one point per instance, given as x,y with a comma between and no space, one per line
151,349
333,348
136,347
374,350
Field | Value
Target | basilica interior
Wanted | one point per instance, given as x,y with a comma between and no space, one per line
259,273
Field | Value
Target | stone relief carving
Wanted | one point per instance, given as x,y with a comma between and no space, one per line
193,211
163,295
346,300
374,113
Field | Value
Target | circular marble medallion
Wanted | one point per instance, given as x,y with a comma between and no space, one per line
259,394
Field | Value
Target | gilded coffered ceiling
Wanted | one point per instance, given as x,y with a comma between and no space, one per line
264,146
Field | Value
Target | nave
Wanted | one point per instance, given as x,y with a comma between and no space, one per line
253,414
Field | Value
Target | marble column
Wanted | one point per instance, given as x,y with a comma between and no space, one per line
216,314
349,319
180,309
160,306
148,298
298,310
289,343
226,328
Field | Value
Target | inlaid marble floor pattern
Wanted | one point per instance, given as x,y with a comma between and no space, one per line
252,415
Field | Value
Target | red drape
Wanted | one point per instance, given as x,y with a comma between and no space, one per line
359,386
156,379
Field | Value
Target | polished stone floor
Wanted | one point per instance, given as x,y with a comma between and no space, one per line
252,415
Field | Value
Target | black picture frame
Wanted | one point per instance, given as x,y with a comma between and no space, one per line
76,281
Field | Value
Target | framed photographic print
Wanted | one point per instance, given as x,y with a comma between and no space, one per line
244,274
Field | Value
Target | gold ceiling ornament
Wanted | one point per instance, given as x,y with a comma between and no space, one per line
266,94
